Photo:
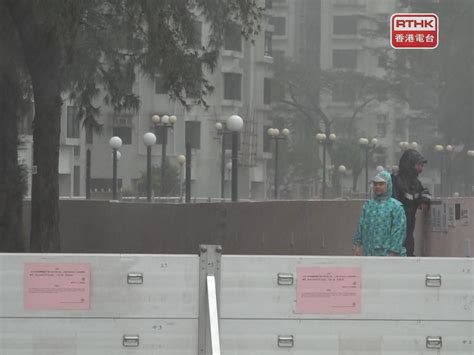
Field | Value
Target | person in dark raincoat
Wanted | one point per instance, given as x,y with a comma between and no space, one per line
408,189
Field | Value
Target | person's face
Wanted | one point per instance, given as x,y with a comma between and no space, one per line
380,188
419,167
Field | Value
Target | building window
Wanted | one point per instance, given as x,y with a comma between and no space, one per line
77,150
267,91
232,86
193,133
343,93
233,38
344,58
73,124
279,25
77,180
160,87
382,123
345,25
268,44
89,134
125,133
197,34
268,4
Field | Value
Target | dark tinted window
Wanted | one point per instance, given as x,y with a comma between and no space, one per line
233,38
279,25
232,86
193,133
73,123
125,133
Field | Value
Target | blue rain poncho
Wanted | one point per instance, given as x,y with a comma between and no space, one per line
382,224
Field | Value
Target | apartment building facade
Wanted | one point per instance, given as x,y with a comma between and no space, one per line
333,35
240,81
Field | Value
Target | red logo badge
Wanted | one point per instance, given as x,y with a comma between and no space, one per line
414,30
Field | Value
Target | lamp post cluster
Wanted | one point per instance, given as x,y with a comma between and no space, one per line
368,146
233,126
277,136
325,140
115,143
149,139
408,145
164,123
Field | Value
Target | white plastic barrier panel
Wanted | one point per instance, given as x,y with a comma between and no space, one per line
74,304
347,305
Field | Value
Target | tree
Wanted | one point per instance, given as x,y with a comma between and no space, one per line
171,180
298,89
438,84
13,96
349,154
83,46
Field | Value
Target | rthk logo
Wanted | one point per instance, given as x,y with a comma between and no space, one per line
414,30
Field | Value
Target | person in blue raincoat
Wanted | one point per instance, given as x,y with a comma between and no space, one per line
381,230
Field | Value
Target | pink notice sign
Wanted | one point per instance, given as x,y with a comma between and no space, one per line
56,286
328,290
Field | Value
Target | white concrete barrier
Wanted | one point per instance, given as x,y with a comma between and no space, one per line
157,304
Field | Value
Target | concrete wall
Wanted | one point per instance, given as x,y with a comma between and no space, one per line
283,227
274,227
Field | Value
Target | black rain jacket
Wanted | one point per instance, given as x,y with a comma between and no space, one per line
406,187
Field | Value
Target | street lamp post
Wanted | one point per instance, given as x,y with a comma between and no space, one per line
88,174
228,168
166,122
149,139
367,145
223,131
342,170
181,161
324,140
115,143
276,135
234,124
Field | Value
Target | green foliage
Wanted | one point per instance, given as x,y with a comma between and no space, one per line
115,39
171,181
95,48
